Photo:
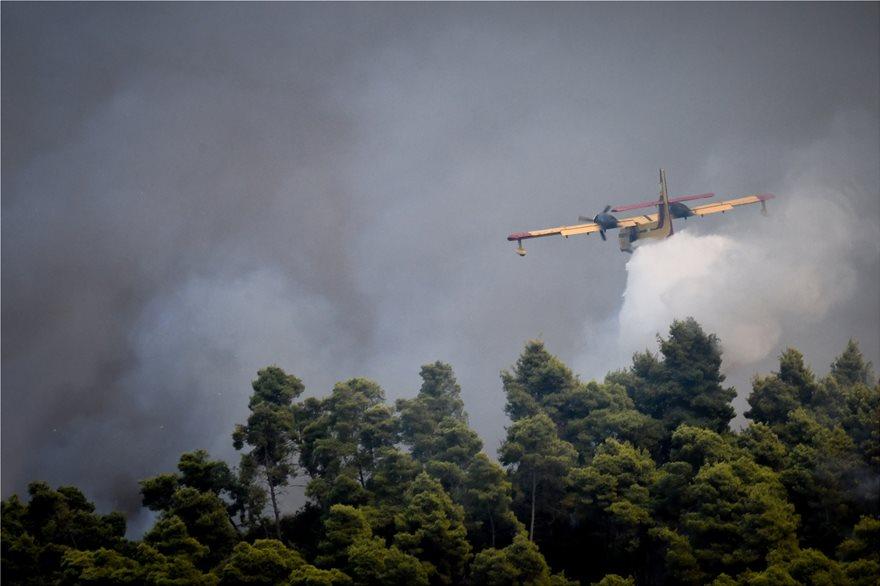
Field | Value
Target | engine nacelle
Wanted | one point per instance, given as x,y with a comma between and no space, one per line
679,210
606,221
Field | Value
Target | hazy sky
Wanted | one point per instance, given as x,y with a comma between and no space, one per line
193,191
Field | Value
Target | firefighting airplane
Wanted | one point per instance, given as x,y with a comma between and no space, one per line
657,225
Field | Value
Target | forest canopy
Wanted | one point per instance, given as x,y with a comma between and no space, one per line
637,479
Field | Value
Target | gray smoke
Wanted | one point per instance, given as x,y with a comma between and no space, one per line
194,191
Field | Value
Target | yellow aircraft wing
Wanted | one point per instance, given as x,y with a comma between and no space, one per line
642,220
566,231
723,206
637,220
587,228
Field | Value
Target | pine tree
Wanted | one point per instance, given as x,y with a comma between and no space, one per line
269,432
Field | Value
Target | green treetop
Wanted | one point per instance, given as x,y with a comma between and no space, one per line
342,439
269,431
611,497
436,410
536,375
850,367
685,387
519,563
265,563
539,461
431,528
739,513
351,546
487,500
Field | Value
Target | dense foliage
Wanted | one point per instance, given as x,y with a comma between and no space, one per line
633,480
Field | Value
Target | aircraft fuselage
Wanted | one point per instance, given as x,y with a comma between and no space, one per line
660,228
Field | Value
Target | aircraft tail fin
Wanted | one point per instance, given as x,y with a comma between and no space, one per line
665,218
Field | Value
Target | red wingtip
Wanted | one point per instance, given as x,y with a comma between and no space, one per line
519,236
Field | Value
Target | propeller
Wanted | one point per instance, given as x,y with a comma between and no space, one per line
604,222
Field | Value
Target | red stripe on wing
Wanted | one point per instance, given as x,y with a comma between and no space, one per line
650,204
